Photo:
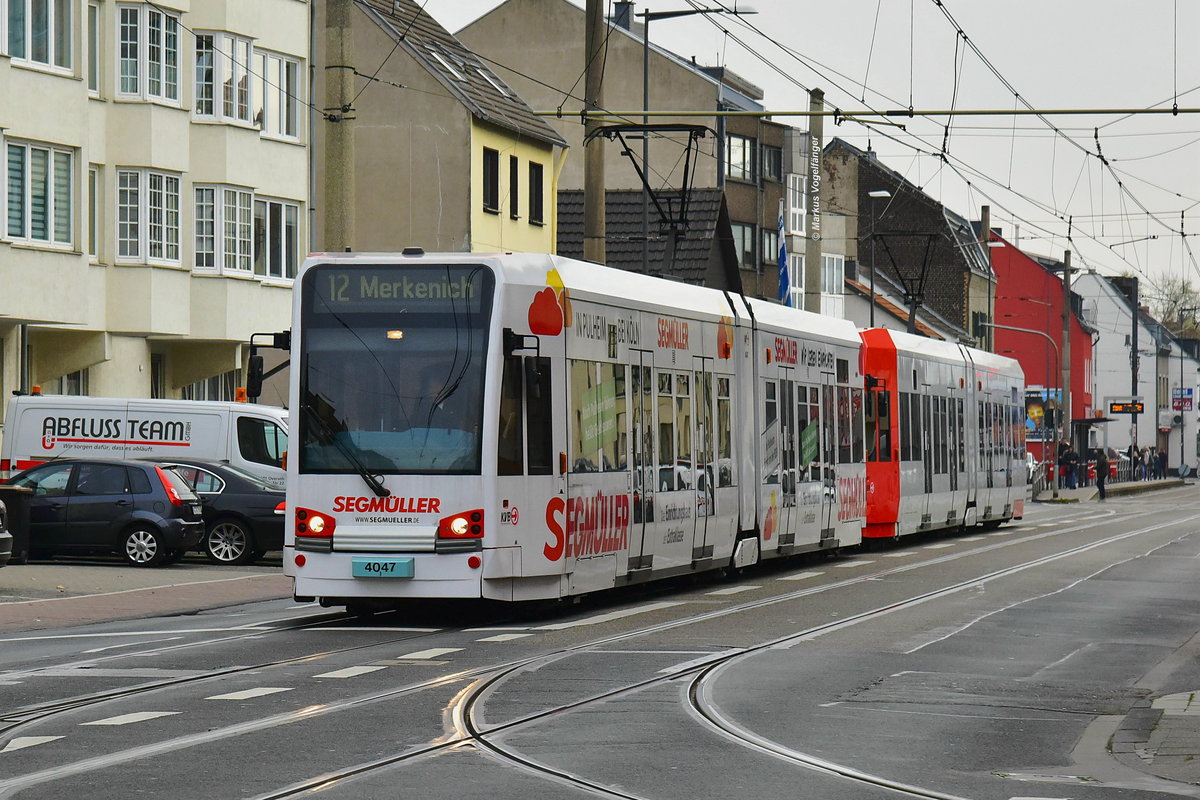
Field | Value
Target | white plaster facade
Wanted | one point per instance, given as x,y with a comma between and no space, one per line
156,189
1163,367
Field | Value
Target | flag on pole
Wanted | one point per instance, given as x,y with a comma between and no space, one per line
785,283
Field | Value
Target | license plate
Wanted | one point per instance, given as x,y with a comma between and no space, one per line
382,568
197,510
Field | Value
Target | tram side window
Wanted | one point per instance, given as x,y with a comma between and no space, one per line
539,416
856,414
683,431
845,448
905,430
585,416
808,432
510,448
917,453
961,463
666,434
787,436
725,467
770,415
615,436
828,428
879,426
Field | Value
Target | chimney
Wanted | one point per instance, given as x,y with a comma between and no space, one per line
622,13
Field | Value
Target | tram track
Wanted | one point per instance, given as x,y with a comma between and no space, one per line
481,680
463,714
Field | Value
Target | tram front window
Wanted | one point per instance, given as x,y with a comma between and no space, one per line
392,364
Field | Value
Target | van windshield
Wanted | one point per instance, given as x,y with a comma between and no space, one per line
391,368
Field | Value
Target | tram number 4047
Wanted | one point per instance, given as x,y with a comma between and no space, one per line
382,568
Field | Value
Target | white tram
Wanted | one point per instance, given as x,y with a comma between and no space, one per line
525,426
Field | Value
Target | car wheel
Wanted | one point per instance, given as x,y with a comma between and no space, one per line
229,542
143,547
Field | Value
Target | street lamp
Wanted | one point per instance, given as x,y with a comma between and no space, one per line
1061,410
647,17
878,194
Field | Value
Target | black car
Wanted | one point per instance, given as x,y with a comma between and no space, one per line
243,514
144,511
6,539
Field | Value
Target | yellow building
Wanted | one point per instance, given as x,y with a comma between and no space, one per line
447,156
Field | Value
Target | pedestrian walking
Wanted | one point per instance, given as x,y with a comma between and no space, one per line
1143,464
1101,472
1162,464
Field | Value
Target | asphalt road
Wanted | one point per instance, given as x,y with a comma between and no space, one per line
994,665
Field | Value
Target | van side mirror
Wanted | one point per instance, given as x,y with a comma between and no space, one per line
254,376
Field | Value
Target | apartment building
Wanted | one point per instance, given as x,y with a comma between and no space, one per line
155,200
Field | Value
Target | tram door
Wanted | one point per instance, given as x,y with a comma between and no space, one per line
928,445
786,530
644,481
704,465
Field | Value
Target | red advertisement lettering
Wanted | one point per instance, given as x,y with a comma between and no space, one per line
553,508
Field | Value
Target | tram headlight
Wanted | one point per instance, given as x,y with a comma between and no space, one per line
458,526
316,524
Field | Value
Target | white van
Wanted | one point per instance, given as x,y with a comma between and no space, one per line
41,427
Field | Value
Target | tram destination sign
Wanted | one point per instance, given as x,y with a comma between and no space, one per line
386,287
1127,407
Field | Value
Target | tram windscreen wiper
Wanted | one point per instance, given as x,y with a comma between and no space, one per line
370,479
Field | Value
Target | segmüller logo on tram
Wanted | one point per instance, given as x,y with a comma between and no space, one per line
391,504
592,525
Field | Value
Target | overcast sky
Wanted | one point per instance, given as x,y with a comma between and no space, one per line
1062,54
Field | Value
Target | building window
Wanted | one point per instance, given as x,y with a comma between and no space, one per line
833,273
73,383
739,158
796,277
149,54
491,180
278,97
39,191
39,32
158,377
514,182
223,60
93,217
276,238
772,162
796,207
536,202
770,246
93,34
218,387
743,242
223,228
147,216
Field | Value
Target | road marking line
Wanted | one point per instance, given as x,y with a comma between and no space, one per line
849,564
904,554
21,742
372,628
129,719
434,652
348,672
497,628
799,576
734,589
600,618
246,694
938,546
504,637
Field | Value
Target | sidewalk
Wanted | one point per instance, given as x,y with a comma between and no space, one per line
1114,489
55,595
